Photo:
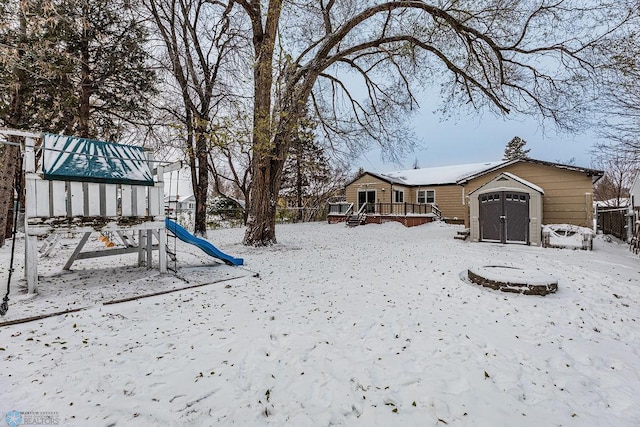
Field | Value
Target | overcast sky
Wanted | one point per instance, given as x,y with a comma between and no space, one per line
482,137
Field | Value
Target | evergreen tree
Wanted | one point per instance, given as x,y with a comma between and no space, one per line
306,171
85,66
515,149
76,67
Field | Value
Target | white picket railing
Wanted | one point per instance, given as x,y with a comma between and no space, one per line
88,207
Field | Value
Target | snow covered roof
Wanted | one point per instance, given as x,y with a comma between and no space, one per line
613,203
524,182
437,175
461,174
594,173
515,178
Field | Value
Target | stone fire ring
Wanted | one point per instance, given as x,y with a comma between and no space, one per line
513,279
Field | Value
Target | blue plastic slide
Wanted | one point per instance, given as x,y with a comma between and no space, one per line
207,247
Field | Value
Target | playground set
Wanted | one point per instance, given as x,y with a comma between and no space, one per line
87,187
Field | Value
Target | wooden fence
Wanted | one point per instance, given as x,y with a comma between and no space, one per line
614,222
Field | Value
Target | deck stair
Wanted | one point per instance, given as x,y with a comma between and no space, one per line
462,234
355,220
358,218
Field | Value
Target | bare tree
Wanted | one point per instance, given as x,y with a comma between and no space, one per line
511,56
620,97
199,41
69,66
230,158
620,169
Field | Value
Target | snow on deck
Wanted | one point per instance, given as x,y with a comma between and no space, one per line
365,326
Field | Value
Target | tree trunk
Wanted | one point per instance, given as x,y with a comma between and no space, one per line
261,223
201,189
299,217
267,165
8,157
9,153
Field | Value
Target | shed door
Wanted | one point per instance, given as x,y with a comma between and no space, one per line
504,217
490,217
516,212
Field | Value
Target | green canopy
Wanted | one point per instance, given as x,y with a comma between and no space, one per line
69,158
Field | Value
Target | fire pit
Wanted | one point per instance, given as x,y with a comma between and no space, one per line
513,279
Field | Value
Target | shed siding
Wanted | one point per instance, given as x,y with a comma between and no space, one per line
567,194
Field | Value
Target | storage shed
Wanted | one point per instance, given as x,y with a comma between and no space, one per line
507,209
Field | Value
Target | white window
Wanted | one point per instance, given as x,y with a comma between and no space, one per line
398,196
426,196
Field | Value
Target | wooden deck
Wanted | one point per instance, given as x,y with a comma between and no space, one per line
408,214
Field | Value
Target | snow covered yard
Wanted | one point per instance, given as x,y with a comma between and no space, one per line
370,325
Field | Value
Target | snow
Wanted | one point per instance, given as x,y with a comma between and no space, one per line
513,274
439,175
568,236
524,182
364,326
622,202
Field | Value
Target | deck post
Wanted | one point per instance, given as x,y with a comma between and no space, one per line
31,262
149,249
162,250
141,247
31,240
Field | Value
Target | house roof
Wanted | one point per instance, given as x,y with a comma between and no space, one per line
515,178
178,198
433,176
461,174
594,173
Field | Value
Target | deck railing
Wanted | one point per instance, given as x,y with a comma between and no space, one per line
404,209
344,208
340,208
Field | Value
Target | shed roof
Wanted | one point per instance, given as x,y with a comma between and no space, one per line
515,178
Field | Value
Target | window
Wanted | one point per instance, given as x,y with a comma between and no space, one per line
426,196
398,196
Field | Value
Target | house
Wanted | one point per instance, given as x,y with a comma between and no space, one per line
634,193
552,193
174,205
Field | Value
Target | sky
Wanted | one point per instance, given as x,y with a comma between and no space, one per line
474,139
480,138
